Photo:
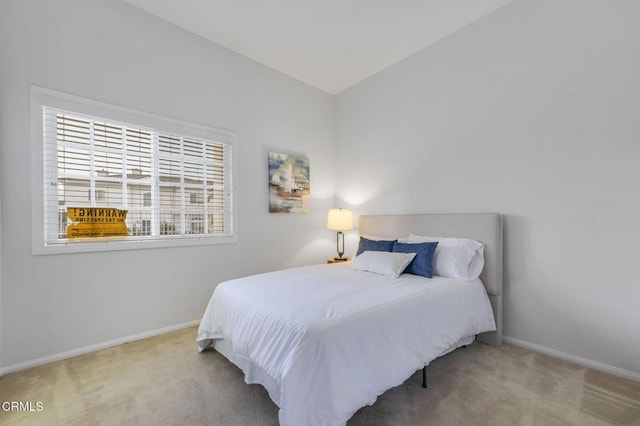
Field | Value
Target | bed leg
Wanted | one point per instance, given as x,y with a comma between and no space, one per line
424,377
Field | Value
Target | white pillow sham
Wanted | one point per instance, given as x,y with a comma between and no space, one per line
455,257
400,240
391,264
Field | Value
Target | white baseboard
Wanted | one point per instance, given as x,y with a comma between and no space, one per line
517,342
92,348
575,359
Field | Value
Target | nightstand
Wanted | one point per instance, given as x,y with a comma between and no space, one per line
340,260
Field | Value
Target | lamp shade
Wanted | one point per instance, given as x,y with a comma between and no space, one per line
340,220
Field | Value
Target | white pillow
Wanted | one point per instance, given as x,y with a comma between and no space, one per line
383,262
455,257
400,240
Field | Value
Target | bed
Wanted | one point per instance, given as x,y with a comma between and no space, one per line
326,340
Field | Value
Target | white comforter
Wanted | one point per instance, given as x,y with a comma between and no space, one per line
326,340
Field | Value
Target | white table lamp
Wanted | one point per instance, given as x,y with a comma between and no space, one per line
340,220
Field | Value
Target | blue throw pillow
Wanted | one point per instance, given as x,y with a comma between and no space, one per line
422,264
374,245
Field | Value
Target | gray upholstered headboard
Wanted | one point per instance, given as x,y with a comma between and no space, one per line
483,227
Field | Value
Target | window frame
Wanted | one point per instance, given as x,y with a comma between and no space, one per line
42,97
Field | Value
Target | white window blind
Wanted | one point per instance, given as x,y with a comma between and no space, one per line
173,186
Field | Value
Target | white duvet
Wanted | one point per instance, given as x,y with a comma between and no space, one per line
326,340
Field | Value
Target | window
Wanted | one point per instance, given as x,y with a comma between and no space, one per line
176,188
196,198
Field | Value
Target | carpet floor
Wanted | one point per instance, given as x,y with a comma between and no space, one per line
164,381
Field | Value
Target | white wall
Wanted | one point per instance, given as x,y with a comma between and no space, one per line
534,112
114,53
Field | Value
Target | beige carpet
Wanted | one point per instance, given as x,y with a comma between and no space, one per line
164,381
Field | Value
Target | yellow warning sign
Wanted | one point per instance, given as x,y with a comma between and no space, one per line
96,222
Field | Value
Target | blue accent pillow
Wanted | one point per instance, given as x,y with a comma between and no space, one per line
374,245
422,264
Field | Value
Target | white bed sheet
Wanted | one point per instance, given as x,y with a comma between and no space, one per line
326,340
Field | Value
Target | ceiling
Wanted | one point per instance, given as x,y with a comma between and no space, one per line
328,44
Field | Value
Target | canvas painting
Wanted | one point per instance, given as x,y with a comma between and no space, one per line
289,183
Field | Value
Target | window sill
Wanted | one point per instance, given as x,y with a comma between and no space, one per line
120,244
